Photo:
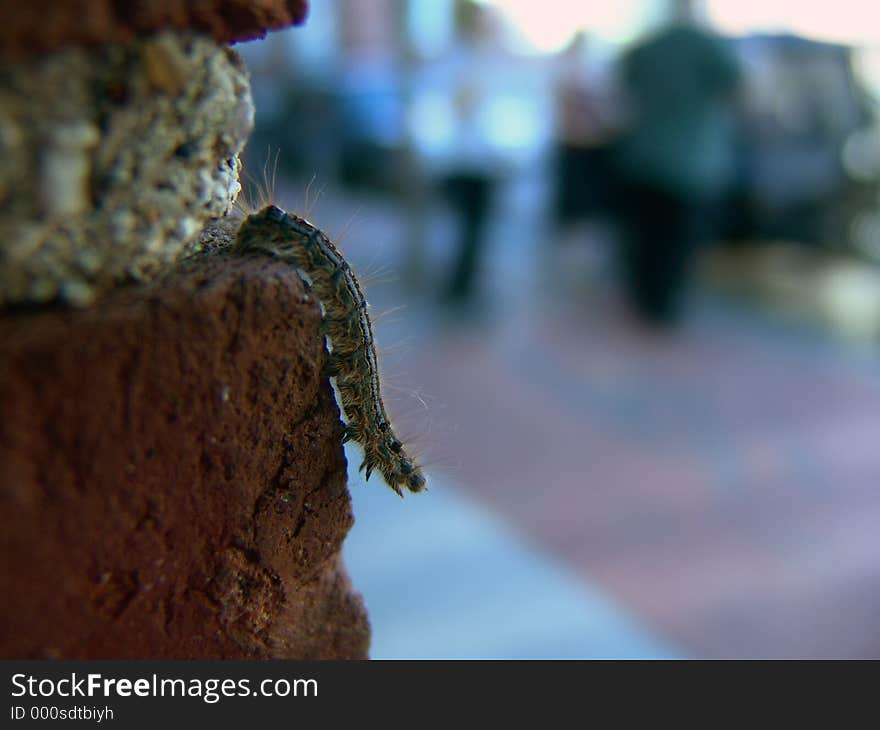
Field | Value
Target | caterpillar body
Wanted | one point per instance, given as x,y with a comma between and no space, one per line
346,324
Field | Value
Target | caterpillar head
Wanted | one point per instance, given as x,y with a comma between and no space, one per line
405,472
410,475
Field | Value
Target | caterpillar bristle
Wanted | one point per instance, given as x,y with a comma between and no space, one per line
258,192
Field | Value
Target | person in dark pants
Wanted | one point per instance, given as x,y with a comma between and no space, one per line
470,167
664,232
586,122
471,197
675,159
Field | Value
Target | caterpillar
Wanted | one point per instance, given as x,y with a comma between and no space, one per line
352,362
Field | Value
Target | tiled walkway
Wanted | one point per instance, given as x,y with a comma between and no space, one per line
724,485
444,578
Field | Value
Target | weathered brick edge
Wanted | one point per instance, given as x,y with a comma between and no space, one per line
31,28
172,481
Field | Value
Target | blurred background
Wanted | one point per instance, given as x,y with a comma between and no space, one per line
625,261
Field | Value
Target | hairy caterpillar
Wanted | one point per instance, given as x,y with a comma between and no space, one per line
346,323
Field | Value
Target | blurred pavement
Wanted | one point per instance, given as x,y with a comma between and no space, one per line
714,491
443,578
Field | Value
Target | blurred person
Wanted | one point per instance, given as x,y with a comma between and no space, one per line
676,156
369,85
586,122
470,178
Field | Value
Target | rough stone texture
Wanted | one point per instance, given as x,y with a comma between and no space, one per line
112,159
172,479
28,28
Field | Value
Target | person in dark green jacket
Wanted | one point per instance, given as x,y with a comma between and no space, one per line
675,158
